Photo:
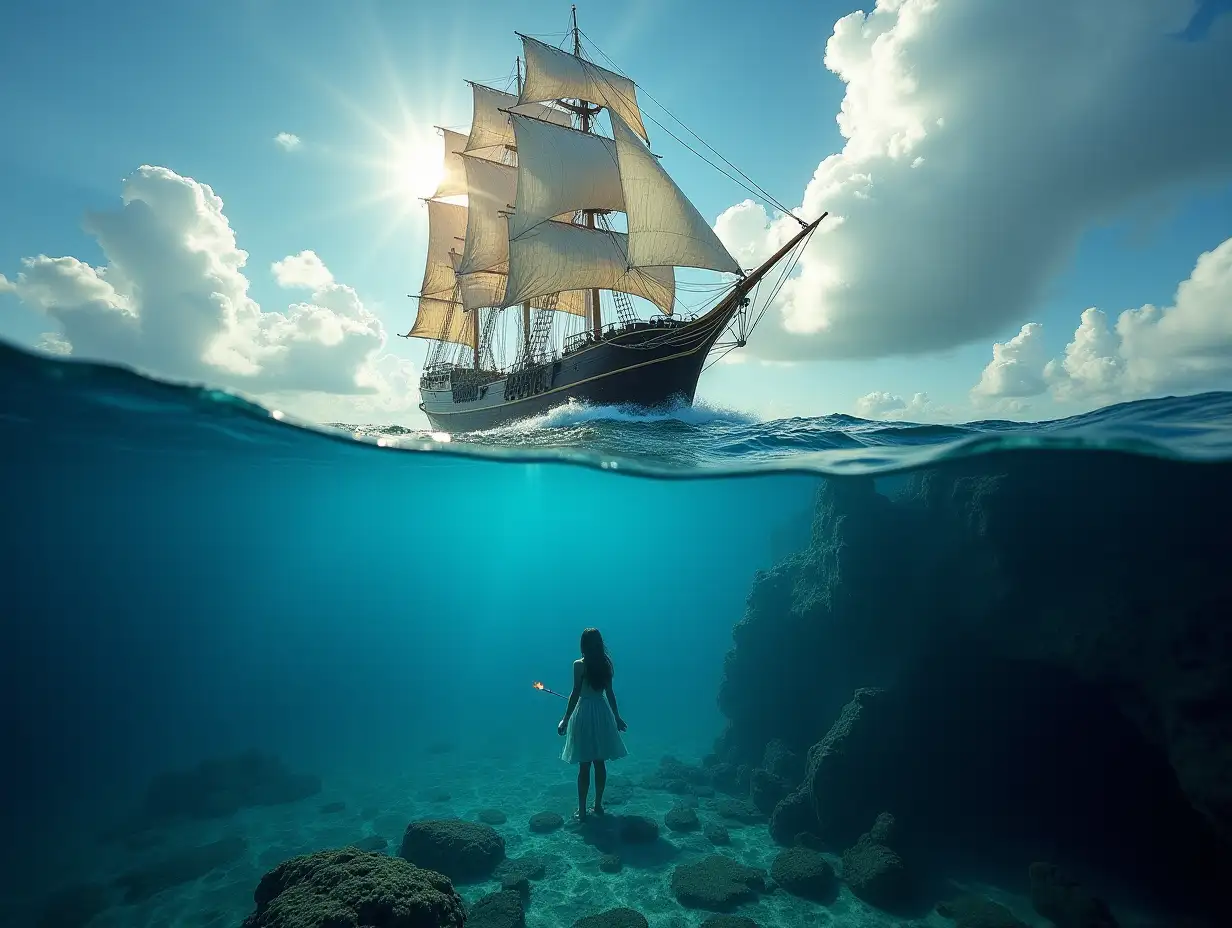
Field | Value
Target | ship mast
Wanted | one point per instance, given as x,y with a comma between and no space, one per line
526,303
585,111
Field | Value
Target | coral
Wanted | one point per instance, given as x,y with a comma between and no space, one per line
349,888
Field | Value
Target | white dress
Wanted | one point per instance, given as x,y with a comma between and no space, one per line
591,734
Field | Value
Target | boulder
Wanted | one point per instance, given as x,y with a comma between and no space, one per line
874,872
349,888
543,822
502,909
717,883
716,833
804,873
463,851
614,918
971,911
679,819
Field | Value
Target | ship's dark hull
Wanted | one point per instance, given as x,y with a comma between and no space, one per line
647,367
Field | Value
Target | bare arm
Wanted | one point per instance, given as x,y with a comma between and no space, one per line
577,691
611,701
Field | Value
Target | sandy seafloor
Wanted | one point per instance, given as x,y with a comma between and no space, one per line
573,887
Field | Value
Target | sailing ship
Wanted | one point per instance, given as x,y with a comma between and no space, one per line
524,235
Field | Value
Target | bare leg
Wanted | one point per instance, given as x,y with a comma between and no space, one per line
583,788
600,782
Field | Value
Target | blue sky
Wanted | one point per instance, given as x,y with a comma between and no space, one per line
91,93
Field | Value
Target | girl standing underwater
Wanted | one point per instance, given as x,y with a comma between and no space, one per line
592,729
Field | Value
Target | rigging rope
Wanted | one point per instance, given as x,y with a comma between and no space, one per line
751,185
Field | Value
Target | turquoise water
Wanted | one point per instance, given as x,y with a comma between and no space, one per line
189,577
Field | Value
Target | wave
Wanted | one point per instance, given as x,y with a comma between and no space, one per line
94,401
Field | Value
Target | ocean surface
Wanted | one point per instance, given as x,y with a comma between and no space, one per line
190,578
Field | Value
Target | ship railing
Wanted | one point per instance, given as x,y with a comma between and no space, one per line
575,343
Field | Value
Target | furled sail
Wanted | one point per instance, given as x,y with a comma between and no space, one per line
491,188
552,74
556,257
439,315
490,128
561,170
665,229
453,173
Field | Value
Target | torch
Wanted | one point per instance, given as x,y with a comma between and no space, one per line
539,686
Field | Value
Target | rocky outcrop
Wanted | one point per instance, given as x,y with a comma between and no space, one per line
875,872
1098,574
349,888
463,851
804,873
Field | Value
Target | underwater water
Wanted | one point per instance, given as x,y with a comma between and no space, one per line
229,641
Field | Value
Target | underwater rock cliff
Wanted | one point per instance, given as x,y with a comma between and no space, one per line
1052,639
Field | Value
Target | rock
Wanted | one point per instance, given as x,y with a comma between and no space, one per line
614,918
1064,902
804,873
679,819
352,889
331,807
874,872
492,817
782,762
716,883
517,884
219,787
977,912
143,882
372,843
74,906
766,790
543,822
463,851
716,833
724,775
672,769
531,867
634,829
739,811
503,909
729,921
610,863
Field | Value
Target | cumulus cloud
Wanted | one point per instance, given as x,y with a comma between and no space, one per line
1016,368
882,405
1148,351
288,141
982,139
172,300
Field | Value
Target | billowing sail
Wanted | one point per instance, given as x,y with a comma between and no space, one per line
665,229
555,257
491,188
486,288
552,74
561,170
439,315
453,174
490,128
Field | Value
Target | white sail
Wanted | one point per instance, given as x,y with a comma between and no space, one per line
552,74
554,257
491,188
561,170
487,288
490,127
446,229
665,229
443,320
453,173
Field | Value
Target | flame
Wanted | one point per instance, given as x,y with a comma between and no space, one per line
537,685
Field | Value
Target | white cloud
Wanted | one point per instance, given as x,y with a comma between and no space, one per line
172,300
54,343
288,141
1016,368
304,270
1149,351
882,405
982,139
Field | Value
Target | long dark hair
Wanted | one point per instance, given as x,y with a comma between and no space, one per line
596,662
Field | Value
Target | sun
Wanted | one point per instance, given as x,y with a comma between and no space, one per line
416,164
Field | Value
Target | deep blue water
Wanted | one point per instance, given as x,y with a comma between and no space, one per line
186,576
